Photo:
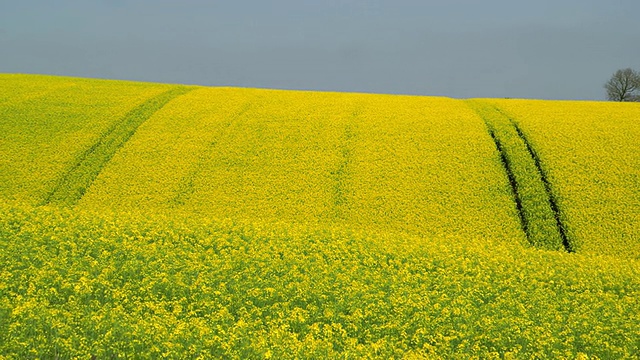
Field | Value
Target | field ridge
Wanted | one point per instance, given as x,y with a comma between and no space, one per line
72,185
35,95
537,208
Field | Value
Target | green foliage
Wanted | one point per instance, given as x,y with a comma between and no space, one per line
76,284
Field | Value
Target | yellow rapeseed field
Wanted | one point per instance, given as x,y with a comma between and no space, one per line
412,164
169,221
591,151
48,122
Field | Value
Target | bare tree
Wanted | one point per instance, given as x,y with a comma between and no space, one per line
623,85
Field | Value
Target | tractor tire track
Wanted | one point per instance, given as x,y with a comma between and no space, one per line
72,185
553,201
186,186
536,205
508,166
340,174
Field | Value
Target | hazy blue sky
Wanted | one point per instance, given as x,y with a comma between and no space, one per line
555,49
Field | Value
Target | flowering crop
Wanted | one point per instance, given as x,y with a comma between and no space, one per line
163,221
43,132
72,185
590,152
394,163
535,204
77,284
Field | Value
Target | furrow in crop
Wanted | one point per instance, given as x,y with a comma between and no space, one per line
547,185
537,210
340,175
73,184
185,188
512,180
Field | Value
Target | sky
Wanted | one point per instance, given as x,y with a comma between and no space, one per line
546,49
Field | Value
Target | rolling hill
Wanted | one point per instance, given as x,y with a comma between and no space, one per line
166,220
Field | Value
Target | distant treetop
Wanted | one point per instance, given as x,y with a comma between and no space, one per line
624,85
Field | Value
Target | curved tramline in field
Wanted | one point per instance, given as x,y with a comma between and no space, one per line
73,184
185,187
589,153
42,137
534,199
218,222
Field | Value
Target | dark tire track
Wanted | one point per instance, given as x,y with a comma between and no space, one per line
72,185
547,184
512,181
537,207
